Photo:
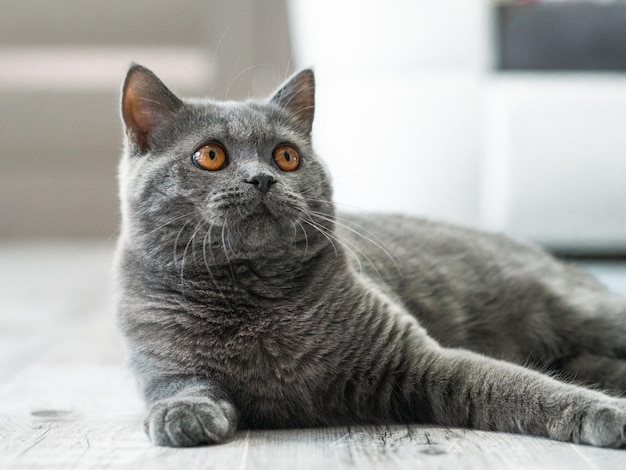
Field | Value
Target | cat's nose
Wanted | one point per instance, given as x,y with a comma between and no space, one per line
262,182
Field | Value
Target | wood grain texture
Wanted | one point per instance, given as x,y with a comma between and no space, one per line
69,402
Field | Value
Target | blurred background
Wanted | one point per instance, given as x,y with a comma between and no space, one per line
505,115
509,116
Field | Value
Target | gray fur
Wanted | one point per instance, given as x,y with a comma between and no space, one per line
250,309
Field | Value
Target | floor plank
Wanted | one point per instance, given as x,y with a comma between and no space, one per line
67,400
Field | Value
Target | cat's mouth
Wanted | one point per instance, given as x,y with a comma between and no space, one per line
265,218
245,212
260,210
255,230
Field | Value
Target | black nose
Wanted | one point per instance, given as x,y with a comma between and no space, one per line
262,182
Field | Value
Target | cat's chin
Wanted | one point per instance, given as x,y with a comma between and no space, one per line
264,231
259,232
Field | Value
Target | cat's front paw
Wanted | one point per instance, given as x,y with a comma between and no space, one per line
605,425
190,421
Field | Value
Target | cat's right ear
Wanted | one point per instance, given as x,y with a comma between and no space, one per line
146,104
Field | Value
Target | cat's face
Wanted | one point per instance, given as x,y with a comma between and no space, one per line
235,180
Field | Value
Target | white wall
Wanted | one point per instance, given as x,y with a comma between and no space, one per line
399,87
412,118
555,160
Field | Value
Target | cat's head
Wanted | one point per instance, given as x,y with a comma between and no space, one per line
232,179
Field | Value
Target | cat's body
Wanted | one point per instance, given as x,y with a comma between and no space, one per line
245,301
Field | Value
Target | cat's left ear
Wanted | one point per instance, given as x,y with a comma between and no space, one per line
297,98
146,104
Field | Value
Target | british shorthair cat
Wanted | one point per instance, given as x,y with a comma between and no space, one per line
246,301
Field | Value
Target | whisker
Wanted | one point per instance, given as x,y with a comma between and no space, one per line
316,198
348,246
207,237
197,229
306,241
223,237
355,228
169,222
182,264
178,238
323,232
374,240
240,73
214,58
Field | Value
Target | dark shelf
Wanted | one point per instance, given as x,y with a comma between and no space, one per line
567,37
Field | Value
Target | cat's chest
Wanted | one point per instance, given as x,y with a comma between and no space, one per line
265,345
258,346
263,364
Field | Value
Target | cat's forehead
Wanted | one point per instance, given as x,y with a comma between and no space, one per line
237,121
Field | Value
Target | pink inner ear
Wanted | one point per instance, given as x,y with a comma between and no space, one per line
146,102
136,114
137,123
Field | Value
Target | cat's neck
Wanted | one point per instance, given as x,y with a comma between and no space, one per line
278,277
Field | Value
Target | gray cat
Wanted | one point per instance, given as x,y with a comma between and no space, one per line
246,302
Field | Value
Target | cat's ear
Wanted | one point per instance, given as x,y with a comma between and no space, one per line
146,104
297,98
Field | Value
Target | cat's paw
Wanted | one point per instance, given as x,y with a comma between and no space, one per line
190,421
605,425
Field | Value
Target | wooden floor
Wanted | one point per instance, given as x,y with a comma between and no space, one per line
67,401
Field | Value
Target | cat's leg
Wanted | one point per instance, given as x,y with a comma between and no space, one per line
422,381
604,373
187,411
469,390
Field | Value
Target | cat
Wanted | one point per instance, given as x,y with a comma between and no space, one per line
246,302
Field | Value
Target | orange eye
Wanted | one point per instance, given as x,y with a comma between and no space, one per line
286,157
211,157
